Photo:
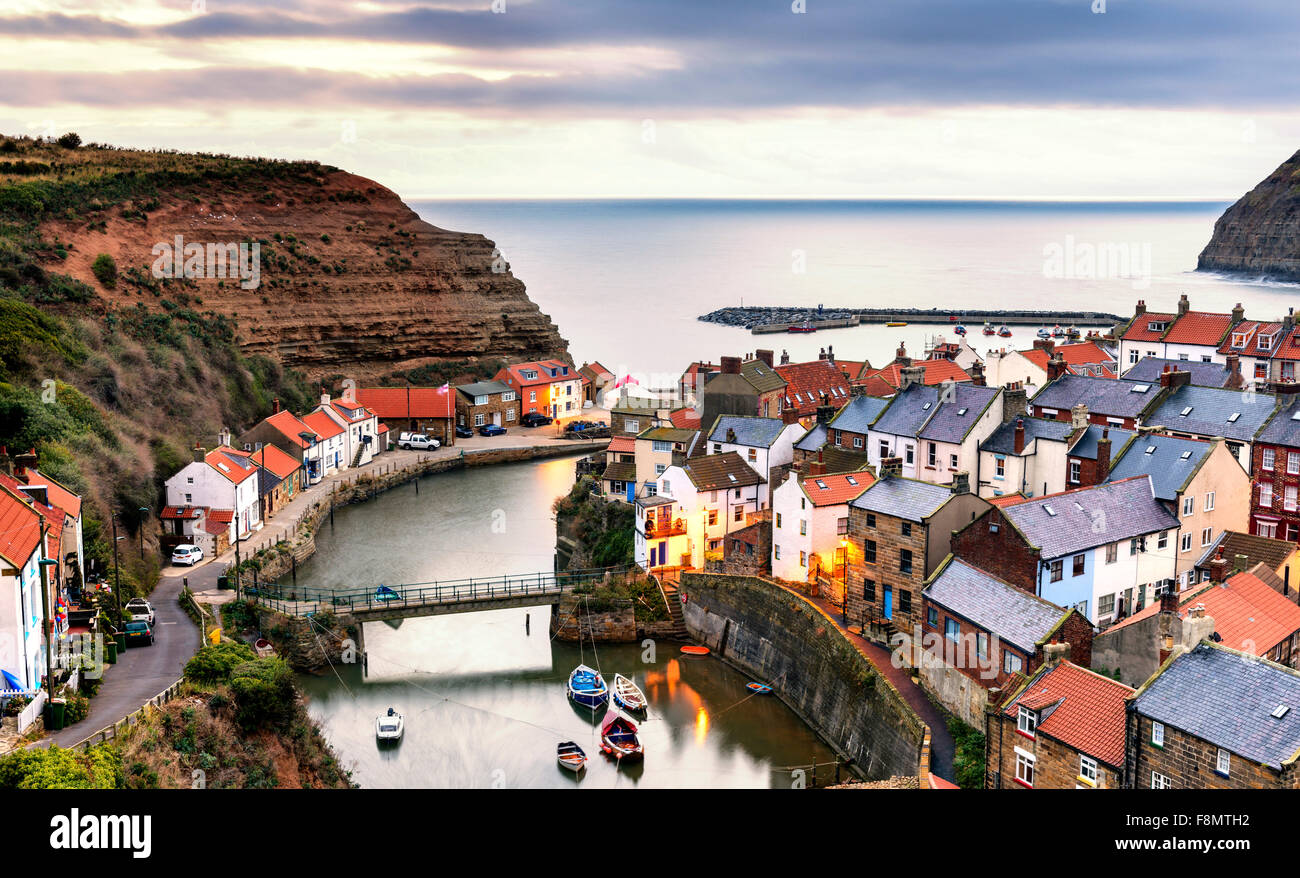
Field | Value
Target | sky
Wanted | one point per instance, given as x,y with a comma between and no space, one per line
1035,99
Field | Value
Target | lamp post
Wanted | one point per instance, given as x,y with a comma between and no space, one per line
44,563
117,571
844,581
144,511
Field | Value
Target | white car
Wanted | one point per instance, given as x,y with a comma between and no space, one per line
188,555
139,610
417,441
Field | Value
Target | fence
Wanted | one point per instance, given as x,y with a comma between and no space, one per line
31,712
108,733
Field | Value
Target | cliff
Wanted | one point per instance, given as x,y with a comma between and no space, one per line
1260,234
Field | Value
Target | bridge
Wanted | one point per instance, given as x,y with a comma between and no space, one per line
439,598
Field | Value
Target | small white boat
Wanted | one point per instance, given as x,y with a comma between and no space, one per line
627,694
570,756
390,726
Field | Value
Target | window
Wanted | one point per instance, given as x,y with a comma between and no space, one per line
778,519
931,454
1162,541
1222,762
1160,781
753,455
1088,770
803,559
871,519
1133,546
906,529
904,601
713,517
510,414
658,445
951,630
1105,605
1158,734
1112,553
884,448
659,469
982,644
1057,570
952,461
532,396
909,454
508,396
932,617
1209,501
994,527
1185,543
869,551
739,514
1011,663
841,526
717,448
1024,768
1133,356
1266,529
1183,357
1266,495
1207,536
857,441
803,527
189,498
1000,467
1289,498
1079,564
1268,458
904,562
1189,505
869,590
1026,721
1075,472
776,552
480,419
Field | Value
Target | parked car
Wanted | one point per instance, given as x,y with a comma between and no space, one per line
535,419
463,432
188,555
491,430
139,633
140,610
417,441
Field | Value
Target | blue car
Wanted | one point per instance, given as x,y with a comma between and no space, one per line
491,430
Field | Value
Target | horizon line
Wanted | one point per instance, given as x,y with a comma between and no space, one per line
978,199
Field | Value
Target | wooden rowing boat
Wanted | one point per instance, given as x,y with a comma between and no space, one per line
627,694
759,688
570,756
586,687
618,736
695,650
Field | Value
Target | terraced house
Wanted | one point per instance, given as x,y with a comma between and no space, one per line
812,384
1106,402
765,444
550,387
810,528
693,508
1275,507
1206,413
1195,336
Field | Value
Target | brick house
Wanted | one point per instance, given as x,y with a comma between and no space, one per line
899,531
486,402
1244,551
742,387
428,410
1215,718
1063,729
847,429
618,481
1275,462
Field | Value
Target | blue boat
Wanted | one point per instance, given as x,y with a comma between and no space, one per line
959,329
586,687
384,593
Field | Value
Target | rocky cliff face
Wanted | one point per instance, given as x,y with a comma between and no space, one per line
1260,234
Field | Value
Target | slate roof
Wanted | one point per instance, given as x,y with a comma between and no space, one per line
908,411
1212,412
857,415
720,471
1080,708
751,430
1258,550
903,498
482,388
1085,445
1089,517
1003,439
667,434
1117,398
1171,464
1014,615
761,376
955,418
623,472
813,439
1227,698
1203,374
1284,428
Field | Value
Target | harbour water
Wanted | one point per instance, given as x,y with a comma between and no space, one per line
483,693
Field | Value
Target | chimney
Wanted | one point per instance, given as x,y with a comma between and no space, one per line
1171,377
830,352
961,483
1015,401
1165,621
324,396
766,357
1055,367
731,435
909,375
1218,566
1054,653
275,406
1196,627
731,365
1045,344
825,413
1141,308
891,468
900,355
1079,416
817,467
199,453
1238,314
1233,365
1020,435
821,353
25,461
1183,305
976,372
223,437
785,357
1103,456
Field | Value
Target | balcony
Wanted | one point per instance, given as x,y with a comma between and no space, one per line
665,528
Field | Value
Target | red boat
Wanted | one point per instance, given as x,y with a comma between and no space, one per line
806,326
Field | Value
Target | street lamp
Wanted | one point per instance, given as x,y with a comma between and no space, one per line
45,563
117,570
144,511
844,581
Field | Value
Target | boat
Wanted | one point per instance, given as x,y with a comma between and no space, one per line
390,726
586,687
896,323
263,648
1072,332
1044,332
959,329
989,330
627,694
618,736
1057,331
695,650
1004,331
759,688
806,326
570,756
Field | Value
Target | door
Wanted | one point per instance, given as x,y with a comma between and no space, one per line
889,602
496,418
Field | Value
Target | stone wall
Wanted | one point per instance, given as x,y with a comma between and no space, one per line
305,646
782,639
569,623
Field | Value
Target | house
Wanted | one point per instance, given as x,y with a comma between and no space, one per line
281,479
1105,550
685,418
849,428
690,386
598,380
1186,334
1244,551
1200,482
550,387
1029,368
657,448
633,419
619,481
960,352
1207,412
222,479
427,410
812,384
49,492
1024,455
360,428
1275,465
810,527
1089,459
22,607
1253,343
766,444
899,533
1282,366
201,526
1215,718
486,402
694,507
937,431
1107,402
981,633
742,387
1063,729
331,442
289,434
1243,612
903,370
1220,375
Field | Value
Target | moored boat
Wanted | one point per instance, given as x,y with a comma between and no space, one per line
759,688
570,756
695,650
587,687
1072,332
1057,331
1004,331
390,726
627,694
1044,332
896,323
959,329
618,736
989,330
806,326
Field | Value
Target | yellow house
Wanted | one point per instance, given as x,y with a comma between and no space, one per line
1244,550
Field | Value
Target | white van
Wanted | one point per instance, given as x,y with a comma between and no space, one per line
416,441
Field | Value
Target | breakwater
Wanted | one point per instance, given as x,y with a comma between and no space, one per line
785,641
762,319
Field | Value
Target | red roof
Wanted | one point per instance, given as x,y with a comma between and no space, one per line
622,443
218,520
60,496
1008,499
1199,327
1288,346
276,461
806,382
409,402
936,372
514,375
20,528
232,464
685,418
1089,712
1082,353
351,412
1138,329
289,426
1251,330
322,425
835,488
181,513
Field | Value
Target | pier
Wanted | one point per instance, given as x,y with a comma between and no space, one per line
769,319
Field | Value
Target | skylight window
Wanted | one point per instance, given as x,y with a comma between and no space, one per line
821,484
731,476
1185,412
1151,449
1049,510
1295,416
1186,455
961,412
926,407
1139,388
851,480
1279,711
1232,418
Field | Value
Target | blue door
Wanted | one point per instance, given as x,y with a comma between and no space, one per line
889,602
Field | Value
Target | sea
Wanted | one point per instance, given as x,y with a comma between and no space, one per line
626,280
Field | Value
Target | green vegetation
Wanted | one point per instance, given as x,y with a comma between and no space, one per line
99,768
71,140
603,528
641,592
968,760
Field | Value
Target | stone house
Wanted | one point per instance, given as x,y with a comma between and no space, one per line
1275,502
486,402
1244,551
618,481
743,387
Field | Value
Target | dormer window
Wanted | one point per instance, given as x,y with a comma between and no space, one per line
1265,342
1239,339
1026,721
1157,325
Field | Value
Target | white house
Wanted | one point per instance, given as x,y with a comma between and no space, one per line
220,479
810,524
766,444
22,650
936,429
330,448
360,428
694,506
